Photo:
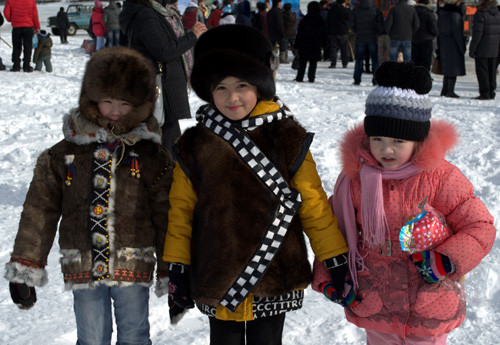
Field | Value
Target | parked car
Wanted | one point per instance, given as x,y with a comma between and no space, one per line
79,18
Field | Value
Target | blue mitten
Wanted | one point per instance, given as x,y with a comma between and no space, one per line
432,266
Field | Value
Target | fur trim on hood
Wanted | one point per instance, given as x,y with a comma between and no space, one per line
79,130
119,73
354,150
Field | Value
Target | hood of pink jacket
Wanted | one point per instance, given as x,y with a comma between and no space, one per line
354,148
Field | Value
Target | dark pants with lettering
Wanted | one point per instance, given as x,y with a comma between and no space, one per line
262,331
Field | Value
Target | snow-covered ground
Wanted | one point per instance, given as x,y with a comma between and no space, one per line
31,110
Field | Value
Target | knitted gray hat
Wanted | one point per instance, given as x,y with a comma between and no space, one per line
400,106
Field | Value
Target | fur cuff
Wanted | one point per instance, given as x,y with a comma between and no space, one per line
16,272
161,287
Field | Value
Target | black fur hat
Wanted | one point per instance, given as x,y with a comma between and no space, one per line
119,73
233,50
400,106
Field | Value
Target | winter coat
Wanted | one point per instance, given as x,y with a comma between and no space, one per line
290,23
402,21
243,13
394,297
451,41
428,29
151,35
311,35
22,14
259,21
111,15
192,14
43,48
62,21
214,18
202,233
135,207
485,42
98,27
338,20
275,25
368,22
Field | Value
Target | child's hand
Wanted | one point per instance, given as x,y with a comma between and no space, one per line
23,296
338,270
432,266
348,300
178,287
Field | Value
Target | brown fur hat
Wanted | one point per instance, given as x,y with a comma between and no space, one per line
233,50
119,73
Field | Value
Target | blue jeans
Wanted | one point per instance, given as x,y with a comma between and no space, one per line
113,38
99,43
94,321
396,47
359,57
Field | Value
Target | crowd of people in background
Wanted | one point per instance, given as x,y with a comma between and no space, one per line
358,31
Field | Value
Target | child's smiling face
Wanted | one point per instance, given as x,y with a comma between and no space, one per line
114,109
391,153
234,98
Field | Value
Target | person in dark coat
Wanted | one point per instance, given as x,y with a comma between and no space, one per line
259,19
62,24
290,23
368,22
484,46
311,34
337,30
276,29
422,44
402,22
451,44
243,13
2,66
155,32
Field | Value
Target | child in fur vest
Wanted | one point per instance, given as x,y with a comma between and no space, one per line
245,190
391,163
105,186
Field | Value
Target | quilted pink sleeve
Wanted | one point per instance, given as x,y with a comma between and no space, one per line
472,225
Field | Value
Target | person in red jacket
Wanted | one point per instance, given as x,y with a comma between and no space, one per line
98,27
23,15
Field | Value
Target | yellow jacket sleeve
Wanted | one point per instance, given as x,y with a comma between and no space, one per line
316,215
183,200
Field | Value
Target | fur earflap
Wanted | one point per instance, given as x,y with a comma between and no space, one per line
119,73
233,50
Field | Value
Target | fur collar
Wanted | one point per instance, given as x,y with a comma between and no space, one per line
78,130
442,138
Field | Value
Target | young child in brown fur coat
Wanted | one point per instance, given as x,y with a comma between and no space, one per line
245,190
107,183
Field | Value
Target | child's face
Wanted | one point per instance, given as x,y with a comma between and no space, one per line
391,153
114,109
234,98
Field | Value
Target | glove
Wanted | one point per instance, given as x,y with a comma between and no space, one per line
178,292
22,295
345,301
338,270
432,266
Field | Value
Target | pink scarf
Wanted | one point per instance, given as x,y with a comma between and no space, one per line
373,219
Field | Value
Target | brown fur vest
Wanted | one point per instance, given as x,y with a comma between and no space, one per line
235,208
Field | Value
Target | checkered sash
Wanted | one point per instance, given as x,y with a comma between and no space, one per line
290,199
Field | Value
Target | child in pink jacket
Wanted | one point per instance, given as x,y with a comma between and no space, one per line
391,163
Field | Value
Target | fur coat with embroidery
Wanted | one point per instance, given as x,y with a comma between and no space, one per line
394,297
111,223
